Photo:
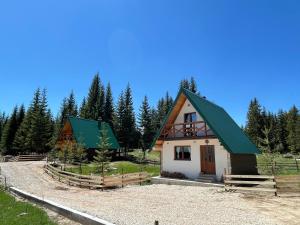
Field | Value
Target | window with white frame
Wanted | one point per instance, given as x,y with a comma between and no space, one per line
182,153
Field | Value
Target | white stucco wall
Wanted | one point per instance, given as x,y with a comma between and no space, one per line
192,168
187,108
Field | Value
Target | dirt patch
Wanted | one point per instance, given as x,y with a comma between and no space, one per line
284,208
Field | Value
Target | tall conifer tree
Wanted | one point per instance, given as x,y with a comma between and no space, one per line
9,133
145,124
292,120
254,122
109,106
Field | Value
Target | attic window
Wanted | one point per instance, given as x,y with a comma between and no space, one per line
182,153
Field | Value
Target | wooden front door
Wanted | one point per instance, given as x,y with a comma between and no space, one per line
207,155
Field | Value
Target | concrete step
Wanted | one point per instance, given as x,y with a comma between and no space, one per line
206,178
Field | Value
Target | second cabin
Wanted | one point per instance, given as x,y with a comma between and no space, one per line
198,138
86,132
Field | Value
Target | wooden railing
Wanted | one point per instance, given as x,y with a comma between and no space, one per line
278,167
94,182
252,183
197,129
288,184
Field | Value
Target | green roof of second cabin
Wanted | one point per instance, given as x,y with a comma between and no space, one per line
231,136
88,132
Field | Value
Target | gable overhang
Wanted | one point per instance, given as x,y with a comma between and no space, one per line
171,117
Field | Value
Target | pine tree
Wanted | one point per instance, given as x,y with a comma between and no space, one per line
168,103
184,84
102,157
160,113
298,135
3,121
292,120
83,109
20,115
95,100
145,124
71,105
119,120
9,133
282,129
35,132
255,121
41,129
131,138
193,85
102,102
109,107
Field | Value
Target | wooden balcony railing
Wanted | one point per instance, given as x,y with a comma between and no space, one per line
197,129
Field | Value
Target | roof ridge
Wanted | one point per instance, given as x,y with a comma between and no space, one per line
80,118
204,99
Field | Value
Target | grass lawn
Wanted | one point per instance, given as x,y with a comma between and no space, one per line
128,167
154,156
14,212
284,166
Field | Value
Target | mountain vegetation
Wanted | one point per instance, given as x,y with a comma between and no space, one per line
36,129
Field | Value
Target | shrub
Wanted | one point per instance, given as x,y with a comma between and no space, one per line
175,175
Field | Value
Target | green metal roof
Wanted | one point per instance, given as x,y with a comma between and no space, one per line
228,132
88,132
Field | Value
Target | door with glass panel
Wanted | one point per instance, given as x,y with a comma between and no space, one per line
207,155
189,119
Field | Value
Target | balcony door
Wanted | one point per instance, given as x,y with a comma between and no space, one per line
189,118
208,165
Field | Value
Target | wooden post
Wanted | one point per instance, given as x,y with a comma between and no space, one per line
205,130
224,178
141,176
297,165
273,168
102,177
5,183
156,222
275,186
122,178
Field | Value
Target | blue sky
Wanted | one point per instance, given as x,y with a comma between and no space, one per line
236,50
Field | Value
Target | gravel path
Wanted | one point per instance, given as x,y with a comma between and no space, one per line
135,205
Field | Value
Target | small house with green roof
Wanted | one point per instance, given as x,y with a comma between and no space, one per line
86,132
200,140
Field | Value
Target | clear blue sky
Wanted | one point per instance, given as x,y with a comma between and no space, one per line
236,50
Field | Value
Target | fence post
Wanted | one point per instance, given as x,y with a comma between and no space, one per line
122,178
297,165
5,183
275,186
156,222
140,176
224,179
273,168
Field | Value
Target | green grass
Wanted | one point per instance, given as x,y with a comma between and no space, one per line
155,156
14,212
128,167
281,167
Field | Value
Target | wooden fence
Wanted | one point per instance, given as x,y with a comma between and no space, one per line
277,167
94,182
262,183
256,183
288,184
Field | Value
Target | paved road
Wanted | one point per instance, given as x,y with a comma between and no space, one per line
135,205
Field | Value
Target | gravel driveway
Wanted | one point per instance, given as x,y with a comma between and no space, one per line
135,205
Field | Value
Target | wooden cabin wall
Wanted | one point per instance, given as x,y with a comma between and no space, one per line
244,164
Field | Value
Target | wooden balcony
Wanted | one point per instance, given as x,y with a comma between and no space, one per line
193,130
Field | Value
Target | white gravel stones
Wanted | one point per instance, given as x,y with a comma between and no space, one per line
140,205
